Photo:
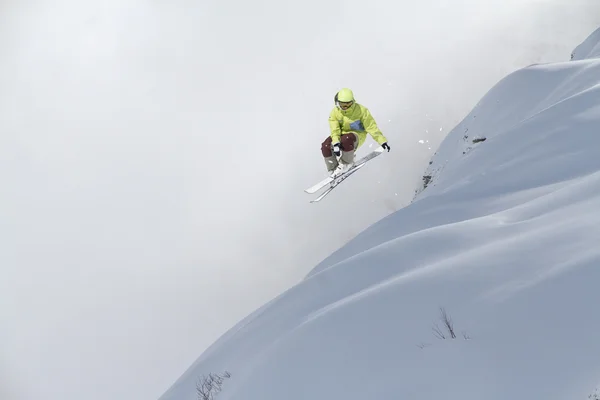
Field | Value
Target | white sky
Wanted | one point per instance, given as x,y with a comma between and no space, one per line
153,157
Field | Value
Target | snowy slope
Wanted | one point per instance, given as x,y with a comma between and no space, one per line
589,48
504,238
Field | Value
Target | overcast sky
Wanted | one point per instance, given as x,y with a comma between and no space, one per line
153,157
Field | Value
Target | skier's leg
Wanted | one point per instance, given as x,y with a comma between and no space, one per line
330,160
349,142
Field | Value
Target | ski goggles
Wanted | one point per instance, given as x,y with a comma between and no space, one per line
344,105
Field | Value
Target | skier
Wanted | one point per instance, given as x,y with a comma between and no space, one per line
349,123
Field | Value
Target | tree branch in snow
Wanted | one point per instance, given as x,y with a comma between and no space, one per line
438,332
209,386
445,330
447,324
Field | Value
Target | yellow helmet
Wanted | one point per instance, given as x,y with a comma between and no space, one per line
345,95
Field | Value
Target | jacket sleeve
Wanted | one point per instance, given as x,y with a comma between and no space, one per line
371,127
334,128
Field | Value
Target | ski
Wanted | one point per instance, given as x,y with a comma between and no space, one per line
336,182
322,195
359,163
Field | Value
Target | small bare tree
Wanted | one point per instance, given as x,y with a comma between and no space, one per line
448,324
447,331
210,385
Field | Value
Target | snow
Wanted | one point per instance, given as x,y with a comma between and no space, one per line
589,48
503,238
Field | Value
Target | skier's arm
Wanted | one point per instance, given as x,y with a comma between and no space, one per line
371,127
334,128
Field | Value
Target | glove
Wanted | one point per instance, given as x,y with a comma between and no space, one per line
336,149
386,146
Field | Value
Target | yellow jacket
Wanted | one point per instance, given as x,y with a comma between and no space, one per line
355,119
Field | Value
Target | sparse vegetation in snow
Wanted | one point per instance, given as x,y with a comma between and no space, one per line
209,386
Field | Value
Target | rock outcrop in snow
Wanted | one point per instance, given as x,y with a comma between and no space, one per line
504,238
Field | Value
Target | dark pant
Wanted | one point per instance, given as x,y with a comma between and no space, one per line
348,142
